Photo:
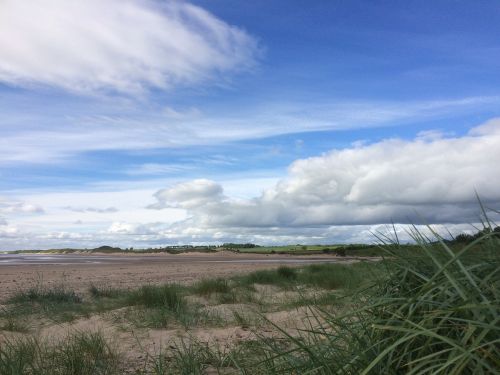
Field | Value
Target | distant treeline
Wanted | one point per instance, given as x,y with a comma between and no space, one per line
465,238
231,245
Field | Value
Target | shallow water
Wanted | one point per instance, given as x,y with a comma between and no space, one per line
33,259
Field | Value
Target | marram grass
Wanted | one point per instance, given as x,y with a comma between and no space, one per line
437,312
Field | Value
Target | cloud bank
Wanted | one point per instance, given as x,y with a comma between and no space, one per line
123,46
344,195
390,181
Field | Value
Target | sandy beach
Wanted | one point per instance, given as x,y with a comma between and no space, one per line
129,271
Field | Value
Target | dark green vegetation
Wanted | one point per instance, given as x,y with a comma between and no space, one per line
433,308
46,296
161,306
207,287
56,303
78,354
322,276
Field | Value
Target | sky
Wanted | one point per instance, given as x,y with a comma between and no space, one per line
145,123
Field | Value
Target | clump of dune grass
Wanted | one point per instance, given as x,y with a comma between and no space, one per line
323,276
337,276
207,287
82,353
225,291
191,357
12,323
437,312
57,302
287,273
167,296
283,277
105,291
160,306
46,295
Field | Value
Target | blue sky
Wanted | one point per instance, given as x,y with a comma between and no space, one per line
143,123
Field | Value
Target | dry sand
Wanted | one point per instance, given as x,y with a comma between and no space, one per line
138,345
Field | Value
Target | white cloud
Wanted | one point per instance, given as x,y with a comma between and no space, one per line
192,194
3,221
188,114
66,138
342,196
134,228
7,232
19,207
393,180
106,210
119,45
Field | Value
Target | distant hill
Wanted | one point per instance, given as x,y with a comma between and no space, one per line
107,249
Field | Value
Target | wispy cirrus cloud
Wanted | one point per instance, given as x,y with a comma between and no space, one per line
152,169
131,131
98,210
124,46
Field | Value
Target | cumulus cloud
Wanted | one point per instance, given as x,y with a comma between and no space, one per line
19,207
134,228
119,45
428,178
343,196
9,232
193,194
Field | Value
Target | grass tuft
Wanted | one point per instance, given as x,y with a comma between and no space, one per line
207,287
333,276
167,297
80,354
43,295
102,291
287,273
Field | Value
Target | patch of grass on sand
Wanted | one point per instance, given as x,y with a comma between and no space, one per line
332,276
266,277
80,353
324,276
160,306
12,323
207,287
104,291
58,294
167,296
189,357
57,303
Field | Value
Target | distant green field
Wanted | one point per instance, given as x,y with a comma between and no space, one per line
288,248
336,249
